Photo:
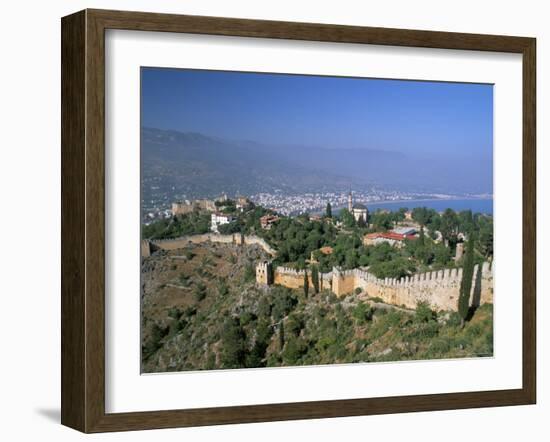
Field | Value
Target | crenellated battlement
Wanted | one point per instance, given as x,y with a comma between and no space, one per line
289,271
419,278
440,288
293,278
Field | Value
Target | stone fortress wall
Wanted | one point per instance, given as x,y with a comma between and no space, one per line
439,289
292,278
149,246
250,240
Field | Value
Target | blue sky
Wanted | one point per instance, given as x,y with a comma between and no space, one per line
333,112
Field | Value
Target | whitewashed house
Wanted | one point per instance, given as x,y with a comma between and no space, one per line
217,219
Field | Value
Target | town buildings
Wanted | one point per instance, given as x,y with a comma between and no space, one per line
394,238
267,221
217,219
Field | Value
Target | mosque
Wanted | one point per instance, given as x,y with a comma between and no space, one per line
359,211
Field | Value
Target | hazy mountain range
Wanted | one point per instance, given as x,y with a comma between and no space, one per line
197,164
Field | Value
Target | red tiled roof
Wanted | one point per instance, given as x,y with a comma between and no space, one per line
373,235
269,218
389,235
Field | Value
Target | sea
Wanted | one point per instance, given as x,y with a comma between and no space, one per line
477,205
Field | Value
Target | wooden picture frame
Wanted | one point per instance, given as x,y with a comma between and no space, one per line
83,220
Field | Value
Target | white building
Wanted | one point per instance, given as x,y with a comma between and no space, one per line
217,219
359,211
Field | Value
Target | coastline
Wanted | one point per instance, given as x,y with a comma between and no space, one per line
425,200
414,203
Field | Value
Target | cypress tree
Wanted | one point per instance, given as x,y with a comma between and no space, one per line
306,284
281,335
329,211
422,252
467,278
315,278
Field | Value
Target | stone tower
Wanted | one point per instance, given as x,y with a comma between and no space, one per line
264,273
350,201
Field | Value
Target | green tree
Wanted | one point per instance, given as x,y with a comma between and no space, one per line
188,224
420,215
352,260
329,211
281,336
400,214
264,307
283,303
467,277
249,272
233,344
465,221
449,226
423,249
229,228
314,241
382,220
486,236
306,284
423,312
396,268
294,350
294,324
433,222
442,255
263,336
315,278
362,313
347,218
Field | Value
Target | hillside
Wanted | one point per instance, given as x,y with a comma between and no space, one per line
202,310
196,165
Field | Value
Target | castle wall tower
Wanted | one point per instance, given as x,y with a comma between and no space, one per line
264,273
145,248
342,281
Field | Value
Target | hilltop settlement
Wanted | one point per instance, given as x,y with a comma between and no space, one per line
227,283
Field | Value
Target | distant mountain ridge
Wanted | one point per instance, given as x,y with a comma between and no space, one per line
199,165
192,163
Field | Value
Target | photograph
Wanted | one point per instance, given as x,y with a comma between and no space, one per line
303,220
258,221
